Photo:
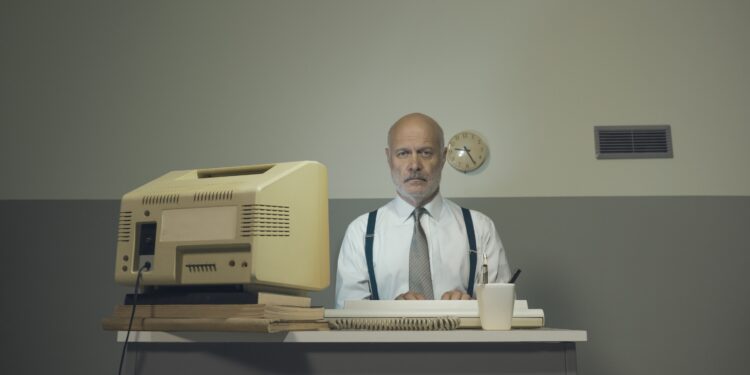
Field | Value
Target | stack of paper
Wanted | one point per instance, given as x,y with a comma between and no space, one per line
240,317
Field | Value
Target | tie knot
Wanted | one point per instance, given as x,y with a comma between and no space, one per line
418,212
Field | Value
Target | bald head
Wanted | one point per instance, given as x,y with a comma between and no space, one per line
416,156
417,119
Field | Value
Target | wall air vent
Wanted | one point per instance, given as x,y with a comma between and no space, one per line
633,142
161,199
206,196
264,220
123,228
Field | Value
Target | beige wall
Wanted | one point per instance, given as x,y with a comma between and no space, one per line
98,98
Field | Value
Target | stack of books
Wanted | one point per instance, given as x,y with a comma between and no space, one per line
273,313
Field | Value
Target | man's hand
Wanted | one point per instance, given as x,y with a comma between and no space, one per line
455,294
411,296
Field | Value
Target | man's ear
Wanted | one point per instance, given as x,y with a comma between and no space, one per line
388,155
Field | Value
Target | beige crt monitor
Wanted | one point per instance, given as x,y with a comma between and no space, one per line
261,225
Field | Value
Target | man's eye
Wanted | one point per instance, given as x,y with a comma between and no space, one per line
426,153
401,154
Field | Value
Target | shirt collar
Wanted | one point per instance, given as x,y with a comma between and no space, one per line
404,209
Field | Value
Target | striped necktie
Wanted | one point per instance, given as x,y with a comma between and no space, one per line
420,278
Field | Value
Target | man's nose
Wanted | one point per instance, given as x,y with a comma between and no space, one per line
414,163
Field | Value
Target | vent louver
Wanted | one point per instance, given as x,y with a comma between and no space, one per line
123,227
264,220
161,199
205,196
203,267
633,142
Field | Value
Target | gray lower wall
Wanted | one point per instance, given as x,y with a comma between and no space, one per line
658,282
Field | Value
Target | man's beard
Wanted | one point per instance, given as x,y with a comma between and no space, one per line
418,196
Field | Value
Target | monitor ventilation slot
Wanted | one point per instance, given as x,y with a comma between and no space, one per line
161,199
123,227
264,220
205,267
633,142
206,196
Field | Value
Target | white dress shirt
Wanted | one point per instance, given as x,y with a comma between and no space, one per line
448,246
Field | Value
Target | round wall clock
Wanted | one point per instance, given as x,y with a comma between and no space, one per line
467,151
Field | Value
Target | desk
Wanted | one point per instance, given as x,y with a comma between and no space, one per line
545,350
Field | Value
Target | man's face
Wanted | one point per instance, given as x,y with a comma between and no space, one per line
416,160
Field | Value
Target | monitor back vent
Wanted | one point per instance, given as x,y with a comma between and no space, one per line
264,220
201,267
124,226
633,142
161,199
206,196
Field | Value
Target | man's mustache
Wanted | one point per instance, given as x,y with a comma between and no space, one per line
416,177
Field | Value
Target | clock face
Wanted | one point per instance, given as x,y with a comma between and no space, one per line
467,151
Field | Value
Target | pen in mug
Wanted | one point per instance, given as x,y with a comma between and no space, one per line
515,276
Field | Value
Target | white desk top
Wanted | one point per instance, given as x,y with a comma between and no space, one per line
460,335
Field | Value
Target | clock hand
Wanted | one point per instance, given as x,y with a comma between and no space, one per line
468,152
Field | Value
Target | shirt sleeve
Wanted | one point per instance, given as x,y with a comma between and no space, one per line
490,242
352,279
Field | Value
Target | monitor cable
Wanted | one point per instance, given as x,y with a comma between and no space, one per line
146,266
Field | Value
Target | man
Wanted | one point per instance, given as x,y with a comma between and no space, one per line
424,259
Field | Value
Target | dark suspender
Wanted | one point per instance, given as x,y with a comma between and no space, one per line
472,249
368,253
370,237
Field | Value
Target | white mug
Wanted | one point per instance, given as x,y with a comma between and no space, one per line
496,305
